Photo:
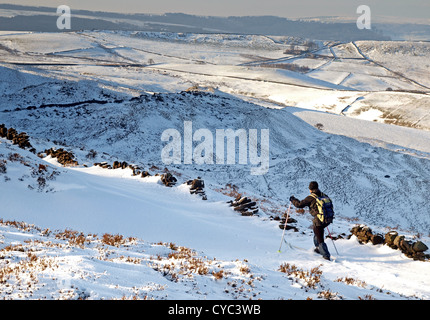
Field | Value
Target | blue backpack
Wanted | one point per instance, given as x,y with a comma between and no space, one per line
325,208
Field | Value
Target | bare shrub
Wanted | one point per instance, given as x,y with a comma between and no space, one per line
113,240
230,190
75,238
352,281
218,275
311,278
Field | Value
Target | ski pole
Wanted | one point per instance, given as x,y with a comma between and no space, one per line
332,240
285,226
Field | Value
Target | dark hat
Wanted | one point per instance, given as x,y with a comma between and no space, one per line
313,185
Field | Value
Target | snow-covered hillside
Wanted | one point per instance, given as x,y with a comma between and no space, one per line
110,96
363,79
361,177
103,234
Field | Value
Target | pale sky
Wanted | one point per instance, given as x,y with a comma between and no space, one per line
283,8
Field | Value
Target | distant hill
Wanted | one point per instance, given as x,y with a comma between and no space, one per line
44,20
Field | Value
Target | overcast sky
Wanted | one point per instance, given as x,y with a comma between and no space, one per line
283,8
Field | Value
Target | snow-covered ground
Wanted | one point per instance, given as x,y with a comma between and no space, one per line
116,92
103,234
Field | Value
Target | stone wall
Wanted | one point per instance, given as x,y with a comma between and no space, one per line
412,249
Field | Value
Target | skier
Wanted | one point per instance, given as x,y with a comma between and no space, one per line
318,226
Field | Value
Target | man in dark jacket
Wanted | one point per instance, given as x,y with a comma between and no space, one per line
318,226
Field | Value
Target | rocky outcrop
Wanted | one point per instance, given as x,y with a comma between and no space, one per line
120,165
291,223
197,187
21,139
244,205
123,165
411,249
103,165
168,179
145,174
66,158
364,235
414,250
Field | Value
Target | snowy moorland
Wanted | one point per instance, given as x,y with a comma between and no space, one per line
103,234
341,114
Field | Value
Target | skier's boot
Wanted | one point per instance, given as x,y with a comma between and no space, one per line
323,250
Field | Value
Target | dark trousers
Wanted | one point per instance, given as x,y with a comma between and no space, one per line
318,235
319,241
